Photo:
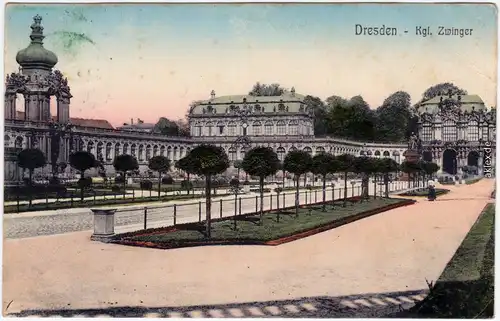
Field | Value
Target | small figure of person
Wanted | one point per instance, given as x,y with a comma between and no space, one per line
432,191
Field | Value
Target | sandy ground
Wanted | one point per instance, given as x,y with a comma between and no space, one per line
393,251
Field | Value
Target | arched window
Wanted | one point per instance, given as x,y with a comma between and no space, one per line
257,128
320,150
6,140
231,129
141,152
125,148
268,128
220,128
377,153
90,147
181,152
18,142
162,150
117,149
281,153
148,152
232,154
176,153
210,129
108,151
308,150
293,128
386,153
293,148
133,150
473,131
169,152
243,151
449,131
155,150
281,128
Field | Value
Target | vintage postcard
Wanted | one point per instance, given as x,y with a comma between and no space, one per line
221,160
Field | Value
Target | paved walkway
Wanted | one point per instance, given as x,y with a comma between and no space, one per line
353,266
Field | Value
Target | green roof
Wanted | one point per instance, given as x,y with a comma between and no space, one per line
468,103
219,105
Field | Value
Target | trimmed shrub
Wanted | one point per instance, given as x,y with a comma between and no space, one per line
116,188
119,179
186,185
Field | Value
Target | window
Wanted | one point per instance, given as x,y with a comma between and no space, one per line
210,129
320,150
231,129
242,153
281,128
108,151
308,150
125,148
220,129
162,150
492,134
268,128
257,128
232,154
427,134
281,153
148,152
175,152
169,152
117,149
141,152
485,132
293,128
449,131
473,131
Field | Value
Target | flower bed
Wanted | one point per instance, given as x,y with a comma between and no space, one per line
425,192
311,220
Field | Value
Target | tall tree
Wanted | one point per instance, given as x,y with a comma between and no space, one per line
297,162
320,114
208,160
323,164
31,159
261,162
351,119
442,89
123,164
393,117
82,161
267,90
159,164
347,162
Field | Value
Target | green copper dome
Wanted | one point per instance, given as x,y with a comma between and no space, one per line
35,55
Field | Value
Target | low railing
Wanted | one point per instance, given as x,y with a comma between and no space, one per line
155,216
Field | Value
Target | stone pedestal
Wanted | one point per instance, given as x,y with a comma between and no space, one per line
104,224
411,156
246,188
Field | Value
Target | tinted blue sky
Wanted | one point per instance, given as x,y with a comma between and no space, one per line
164,56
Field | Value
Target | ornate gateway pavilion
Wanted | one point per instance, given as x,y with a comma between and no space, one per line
454,130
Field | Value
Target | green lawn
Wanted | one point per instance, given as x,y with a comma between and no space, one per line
465,288
425,192
249,230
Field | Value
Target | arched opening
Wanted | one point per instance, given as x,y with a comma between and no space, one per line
387,154
450,161
427,156
473,159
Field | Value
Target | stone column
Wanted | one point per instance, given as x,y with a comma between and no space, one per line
62,109
10,105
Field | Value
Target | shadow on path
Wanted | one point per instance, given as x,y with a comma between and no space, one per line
353,306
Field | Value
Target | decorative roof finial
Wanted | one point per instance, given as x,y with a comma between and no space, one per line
293,91
212,94
37,30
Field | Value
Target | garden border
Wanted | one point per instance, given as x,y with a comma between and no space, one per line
446,191
121,239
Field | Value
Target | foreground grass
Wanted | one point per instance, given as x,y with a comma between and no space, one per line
248,227
465,289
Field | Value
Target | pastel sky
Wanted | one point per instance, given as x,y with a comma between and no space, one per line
151,60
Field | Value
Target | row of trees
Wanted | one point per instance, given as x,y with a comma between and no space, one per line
261,162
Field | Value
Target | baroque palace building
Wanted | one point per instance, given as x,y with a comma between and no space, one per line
454,130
